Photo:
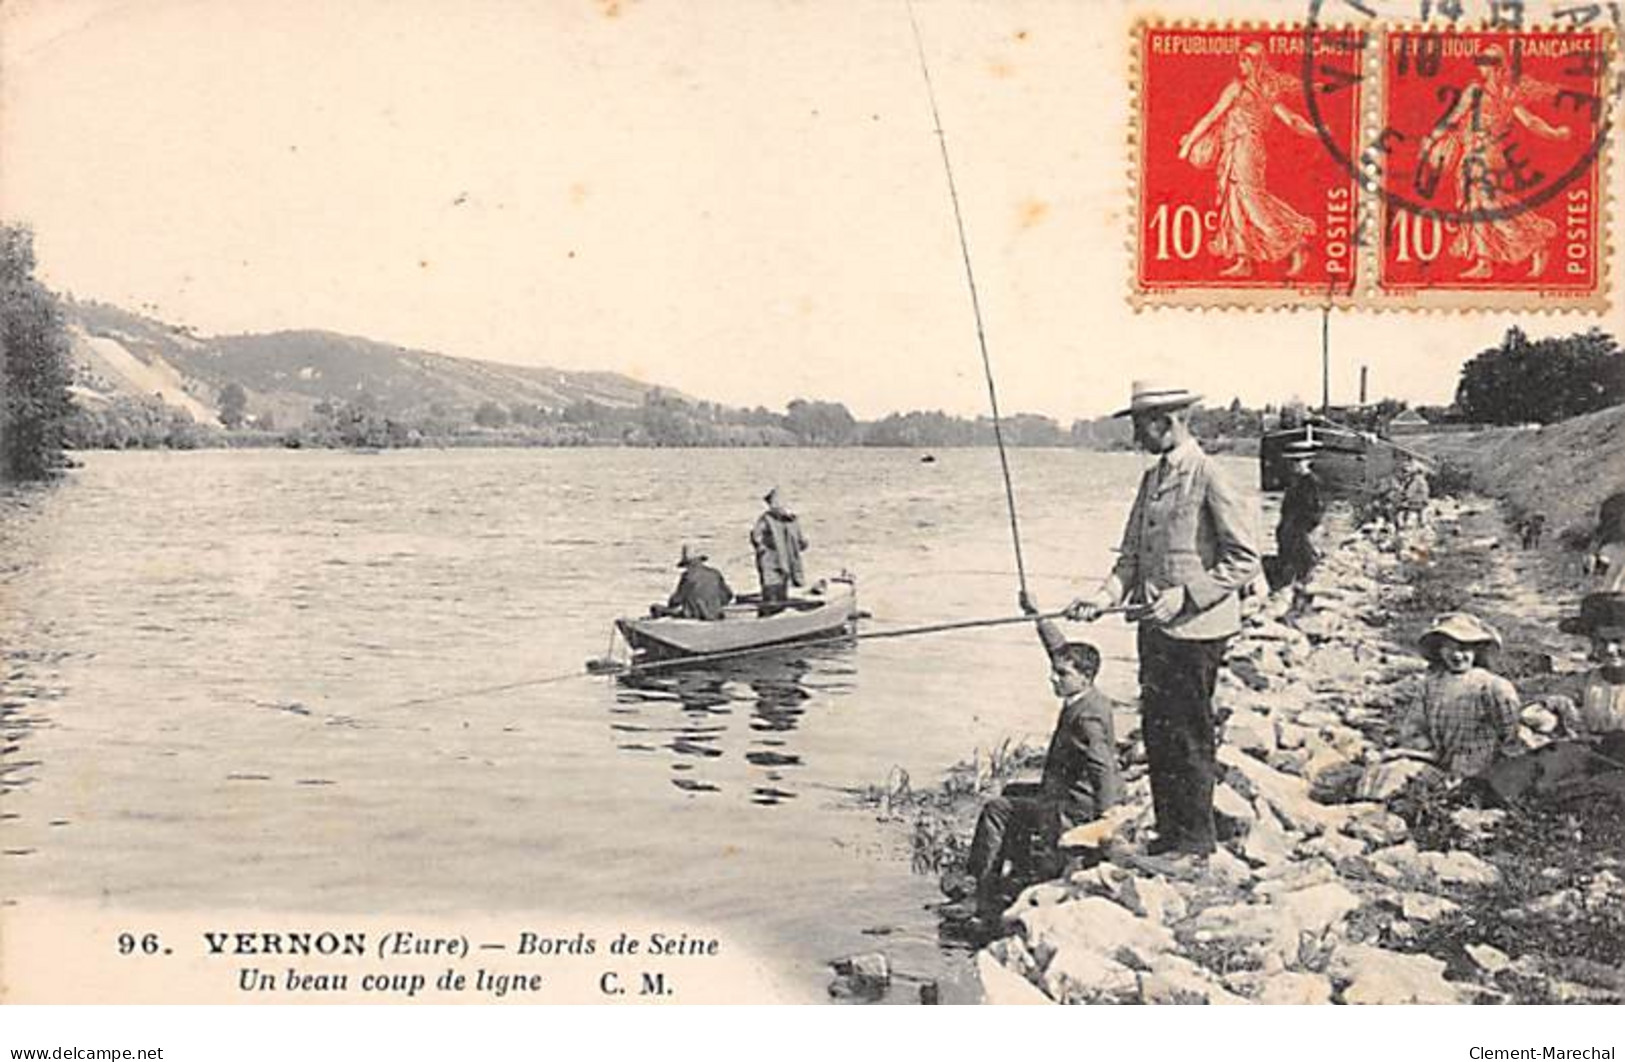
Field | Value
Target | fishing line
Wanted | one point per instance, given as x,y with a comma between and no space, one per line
597,667
975,301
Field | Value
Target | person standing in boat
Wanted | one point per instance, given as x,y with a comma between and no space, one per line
1188,549
702,593
779,543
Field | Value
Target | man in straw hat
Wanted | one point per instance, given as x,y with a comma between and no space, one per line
1188,549
702,593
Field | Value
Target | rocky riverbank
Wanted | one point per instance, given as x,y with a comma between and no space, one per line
1332,886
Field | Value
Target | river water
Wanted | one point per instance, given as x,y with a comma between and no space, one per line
237,680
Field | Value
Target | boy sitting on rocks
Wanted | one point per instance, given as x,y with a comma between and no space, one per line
1081,778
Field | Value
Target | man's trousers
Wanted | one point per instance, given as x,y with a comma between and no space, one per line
1177,679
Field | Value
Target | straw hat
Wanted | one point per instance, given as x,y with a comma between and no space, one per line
692,555
1462,627
1599,614
1146,396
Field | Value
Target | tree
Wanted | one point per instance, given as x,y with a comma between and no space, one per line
233,405
490,415
34,368
1543,380
820,423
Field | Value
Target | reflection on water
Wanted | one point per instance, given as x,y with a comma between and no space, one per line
687,714
220,680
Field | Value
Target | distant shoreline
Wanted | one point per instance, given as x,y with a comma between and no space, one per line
265,441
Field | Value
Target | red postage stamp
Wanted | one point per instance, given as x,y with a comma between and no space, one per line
1238,200
1491,147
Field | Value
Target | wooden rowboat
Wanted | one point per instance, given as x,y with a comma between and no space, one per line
829,610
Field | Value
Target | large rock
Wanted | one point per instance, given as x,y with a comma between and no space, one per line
1277,881
1287,988
1332,778
1377,827
1319,718
1233,813
1489,959
1288,797
1334,846
1267,934
1102,879
1346,741
1250,732
1078,974
1372,975
1425,907
1400,864
1093,923
1044,894
1478,824
1290,735
1154,898
1227,869
1175,979
1319,907
1267,843
1004,986
1290,761
1461,868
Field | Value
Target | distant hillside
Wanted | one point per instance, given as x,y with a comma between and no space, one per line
1563,470
123,354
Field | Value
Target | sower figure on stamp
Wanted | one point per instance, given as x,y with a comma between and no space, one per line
1255,225
1188,548
1475,149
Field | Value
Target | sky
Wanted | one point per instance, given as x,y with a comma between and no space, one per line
741,199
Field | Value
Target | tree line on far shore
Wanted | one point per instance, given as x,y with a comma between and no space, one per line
1519,381
34,369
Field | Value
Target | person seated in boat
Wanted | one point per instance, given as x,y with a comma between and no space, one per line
1081,779
702,593
779,542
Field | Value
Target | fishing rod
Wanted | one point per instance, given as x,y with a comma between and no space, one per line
609,666
975,301
606,666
